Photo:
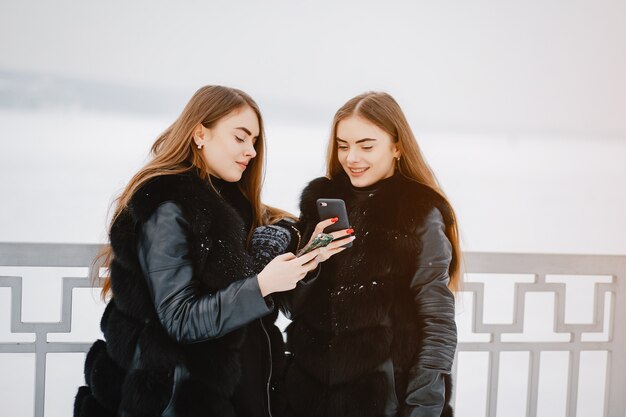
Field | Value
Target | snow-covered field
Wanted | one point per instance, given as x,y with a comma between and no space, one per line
59,169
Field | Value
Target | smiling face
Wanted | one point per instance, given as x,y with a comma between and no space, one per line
228,146
366,152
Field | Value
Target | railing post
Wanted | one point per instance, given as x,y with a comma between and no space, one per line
616,372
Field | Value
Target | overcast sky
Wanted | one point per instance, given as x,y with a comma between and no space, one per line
520,107
551,66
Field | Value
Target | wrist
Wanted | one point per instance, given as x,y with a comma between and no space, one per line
263,284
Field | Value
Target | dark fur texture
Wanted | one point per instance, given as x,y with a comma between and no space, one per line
360,312
119,380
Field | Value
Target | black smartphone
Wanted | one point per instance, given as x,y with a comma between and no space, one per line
334,207
321,240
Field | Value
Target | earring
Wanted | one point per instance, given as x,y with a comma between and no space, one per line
199,146
398,158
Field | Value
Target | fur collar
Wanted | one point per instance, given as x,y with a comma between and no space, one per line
399,203
213,220
188,190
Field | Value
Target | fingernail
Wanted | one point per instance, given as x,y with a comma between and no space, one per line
334,219
350,231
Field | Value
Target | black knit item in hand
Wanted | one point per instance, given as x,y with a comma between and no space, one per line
267,243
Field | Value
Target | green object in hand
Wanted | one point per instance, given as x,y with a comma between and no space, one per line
321,240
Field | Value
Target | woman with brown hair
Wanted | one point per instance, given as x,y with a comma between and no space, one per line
189,326
376,335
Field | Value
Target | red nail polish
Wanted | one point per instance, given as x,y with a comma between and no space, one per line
350,231
334,219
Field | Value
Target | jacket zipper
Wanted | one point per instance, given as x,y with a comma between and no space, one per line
269,378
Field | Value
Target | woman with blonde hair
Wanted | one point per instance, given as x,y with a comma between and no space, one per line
375,335
189,326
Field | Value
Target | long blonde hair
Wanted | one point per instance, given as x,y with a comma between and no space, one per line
174,152
382,110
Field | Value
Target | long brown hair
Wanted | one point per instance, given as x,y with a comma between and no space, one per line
382,110
174,152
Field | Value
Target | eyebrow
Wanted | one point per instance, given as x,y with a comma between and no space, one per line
247,131
358,141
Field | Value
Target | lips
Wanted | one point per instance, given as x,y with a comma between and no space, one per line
356,172
242,164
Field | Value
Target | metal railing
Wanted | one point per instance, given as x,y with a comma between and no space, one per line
609,306
545,271
44,255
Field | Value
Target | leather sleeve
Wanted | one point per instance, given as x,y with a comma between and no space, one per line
434,307
427,395
188,313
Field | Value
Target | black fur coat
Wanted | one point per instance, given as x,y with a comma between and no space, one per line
375,320
120,384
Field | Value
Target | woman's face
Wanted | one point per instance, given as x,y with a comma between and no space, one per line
365,151
228,146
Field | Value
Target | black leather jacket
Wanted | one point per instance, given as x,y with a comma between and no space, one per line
190,318
420,315
184,332
426,389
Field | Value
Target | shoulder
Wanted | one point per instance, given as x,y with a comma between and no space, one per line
408,204
436,249
417,196
433,221
163,237
167,225
168,212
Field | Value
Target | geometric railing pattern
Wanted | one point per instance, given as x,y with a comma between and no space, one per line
44,255
504,299
598,345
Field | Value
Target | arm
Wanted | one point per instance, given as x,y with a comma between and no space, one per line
188,313
273,240
434,306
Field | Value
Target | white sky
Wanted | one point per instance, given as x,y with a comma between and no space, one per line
520,107
549,66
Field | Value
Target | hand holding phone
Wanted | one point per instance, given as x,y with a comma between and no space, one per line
333,207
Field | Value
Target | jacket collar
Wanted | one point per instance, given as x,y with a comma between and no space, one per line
396,201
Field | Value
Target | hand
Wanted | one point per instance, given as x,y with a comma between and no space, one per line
337,245
284,272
